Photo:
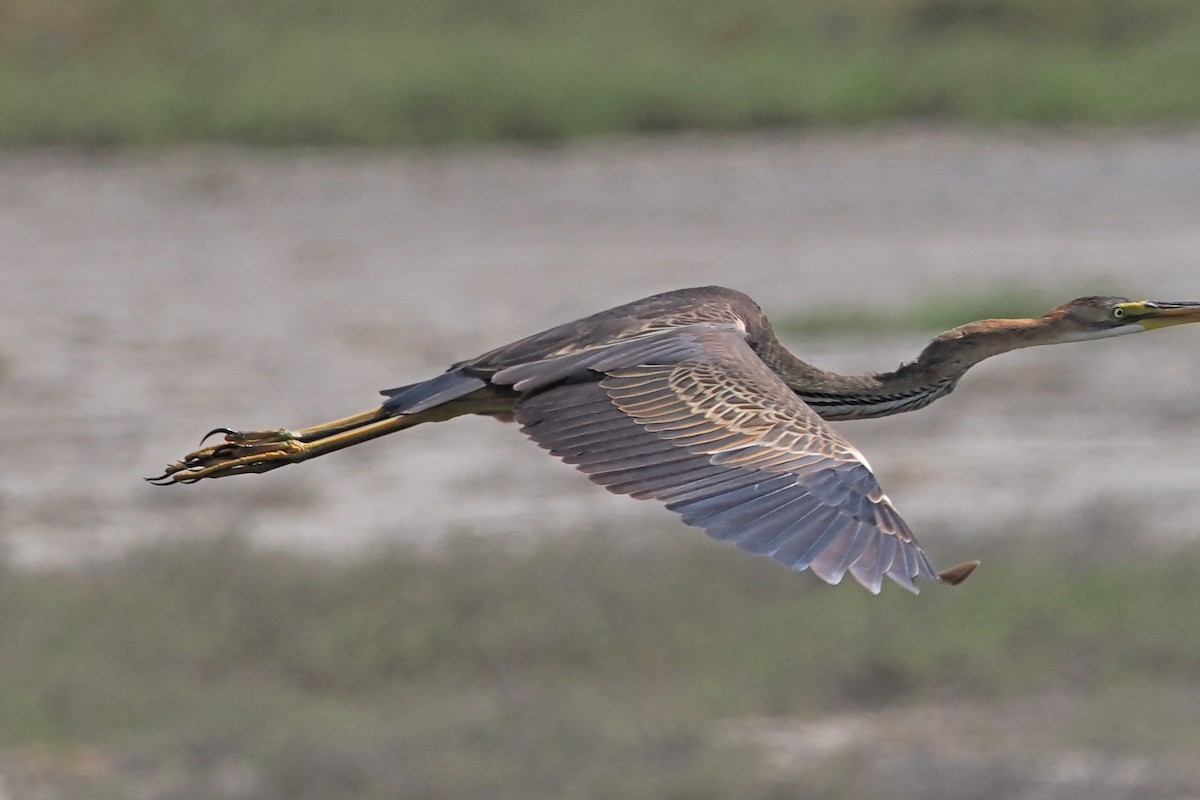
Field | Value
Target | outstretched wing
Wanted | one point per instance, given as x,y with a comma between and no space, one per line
694,419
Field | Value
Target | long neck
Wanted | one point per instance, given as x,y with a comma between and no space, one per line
914,384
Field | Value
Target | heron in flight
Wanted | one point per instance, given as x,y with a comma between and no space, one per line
688,398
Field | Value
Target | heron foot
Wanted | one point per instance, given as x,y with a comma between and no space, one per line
238,452
262,451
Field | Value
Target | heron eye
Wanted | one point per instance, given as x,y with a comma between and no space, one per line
1118,312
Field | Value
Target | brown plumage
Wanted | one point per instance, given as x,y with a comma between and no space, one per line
689,398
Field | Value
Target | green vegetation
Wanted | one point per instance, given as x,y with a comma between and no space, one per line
572,670
374,72
934,312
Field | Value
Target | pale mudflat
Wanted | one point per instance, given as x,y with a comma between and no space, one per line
147,298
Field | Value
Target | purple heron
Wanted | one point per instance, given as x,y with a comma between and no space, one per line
689,398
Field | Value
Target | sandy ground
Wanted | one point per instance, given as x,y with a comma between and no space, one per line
147,298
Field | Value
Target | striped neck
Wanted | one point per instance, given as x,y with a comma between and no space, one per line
934,373
914,384
856,404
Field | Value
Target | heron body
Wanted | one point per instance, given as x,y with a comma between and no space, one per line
689,398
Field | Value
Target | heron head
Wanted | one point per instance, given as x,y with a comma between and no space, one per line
1100,317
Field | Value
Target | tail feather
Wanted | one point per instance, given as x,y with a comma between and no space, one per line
417,397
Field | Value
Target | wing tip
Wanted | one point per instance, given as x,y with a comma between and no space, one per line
869,581
952,577
904,581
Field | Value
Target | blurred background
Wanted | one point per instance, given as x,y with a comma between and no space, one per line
258,214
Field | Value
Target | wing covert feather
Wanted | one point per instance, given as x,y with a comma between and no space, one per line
695,420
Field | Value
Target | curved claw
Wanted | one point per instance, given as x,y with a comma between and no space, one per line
257,451
214,431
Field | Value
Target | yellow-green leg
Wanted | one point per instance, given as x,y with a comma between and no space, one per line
262,451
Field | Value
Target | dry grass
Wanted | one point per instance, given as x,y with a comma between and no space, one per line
371,72
214,670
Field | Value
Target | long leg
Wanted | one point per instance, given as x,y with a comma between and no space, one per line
262,451
302,434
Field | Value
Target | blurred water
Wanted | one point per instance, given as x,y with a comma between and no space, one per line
145,298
